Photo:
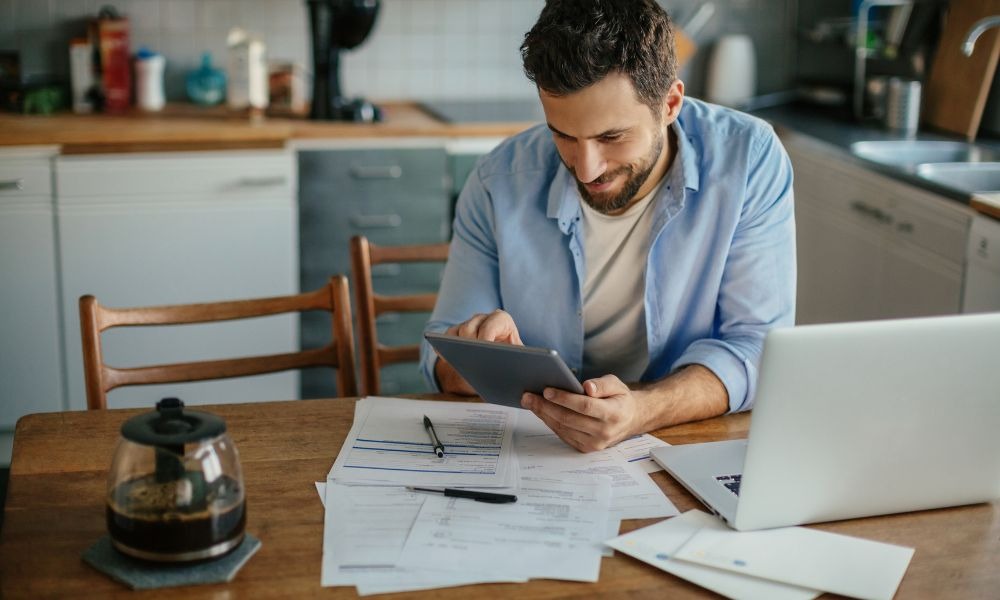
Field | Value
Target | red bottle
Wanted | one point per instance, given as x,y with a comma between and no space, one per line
109,35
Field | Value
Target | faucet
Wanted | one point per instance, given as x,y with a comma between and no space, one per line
977,30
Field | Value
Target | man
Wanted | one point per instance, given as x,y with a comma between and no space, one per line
647,238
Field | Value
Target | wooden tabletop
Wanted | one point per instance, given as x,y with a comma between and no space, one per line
188,127
55,511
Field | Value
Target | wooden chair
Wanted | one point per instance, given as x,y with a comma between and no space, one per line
372,355
339,353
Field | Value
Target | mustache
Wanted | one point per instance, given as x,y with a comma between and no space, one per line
605,177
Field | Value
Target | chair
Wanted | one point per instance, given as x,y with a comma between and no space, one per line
339,353
372,355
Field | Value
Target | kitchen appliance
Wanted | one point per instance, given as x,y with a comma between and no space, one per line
175,490
337,25
513,110
732,71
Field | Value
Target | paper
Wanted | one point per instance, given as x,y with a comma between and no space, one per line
387,444
636,450
805,557
365,529
634,494
553,531
657,544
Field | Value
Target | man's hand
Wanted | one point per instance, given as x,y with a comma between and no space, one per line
606,414
609,411
497,326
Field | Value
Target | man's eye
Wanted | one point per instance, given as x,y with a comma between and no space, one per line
610,139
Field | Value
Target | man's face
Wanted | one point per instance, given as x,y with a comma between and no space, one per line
612,143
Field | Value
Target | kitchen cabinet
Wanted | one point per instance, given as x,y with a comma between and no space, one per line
172,228
30,358
393,192
982,277
870,247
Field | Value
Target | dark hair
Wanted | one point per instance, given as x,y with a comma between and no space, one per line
577,43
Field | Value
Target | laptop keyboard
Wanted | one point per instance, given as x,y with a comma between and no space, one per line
730,482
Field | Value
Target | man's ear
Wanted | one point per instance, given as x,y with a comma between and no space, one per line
673,102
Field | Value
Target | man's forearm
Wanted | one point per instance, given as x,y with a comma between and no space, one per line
690,394
449,380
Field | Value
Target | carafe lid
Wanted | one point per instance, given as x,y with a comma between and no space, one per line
170,425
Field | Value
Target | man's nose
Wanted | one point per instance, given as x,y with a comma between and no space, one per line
590,163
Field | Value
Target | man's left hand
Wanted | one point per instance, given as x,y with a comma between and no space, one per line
606,414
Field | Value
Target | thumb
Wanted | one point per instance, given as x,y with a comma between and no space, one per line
602,387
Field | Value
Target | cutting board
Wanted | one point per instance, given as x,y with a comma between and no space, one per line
956,90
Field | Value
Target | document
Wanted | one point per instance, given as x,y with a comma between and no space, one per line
553,531
657,544
388,445
365,529
636,450
805,557
634,494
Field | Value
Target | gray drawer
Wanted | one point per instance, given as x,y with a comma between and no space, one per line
373,173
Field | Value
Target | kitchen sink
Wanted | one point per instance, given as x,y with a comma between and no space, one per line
911,153
972,177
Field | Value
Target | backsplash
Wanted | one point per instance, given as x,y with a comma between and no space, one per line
419,49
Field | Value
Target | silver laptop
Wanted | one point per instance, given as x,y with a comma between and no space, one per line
859,419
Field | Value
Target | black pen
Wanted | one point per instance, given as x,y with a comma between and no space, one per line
490,497
438,447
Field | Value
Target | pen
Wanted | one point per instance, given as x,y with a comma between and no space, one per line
490,497
438,447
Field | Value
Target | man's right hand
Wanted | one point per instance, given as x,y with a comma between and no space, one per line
497,326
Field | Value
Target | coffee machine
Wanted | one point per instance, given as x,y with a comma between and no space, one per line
338,25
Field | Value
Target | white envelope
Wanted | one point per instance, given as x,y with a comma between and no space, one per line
657,543
805,557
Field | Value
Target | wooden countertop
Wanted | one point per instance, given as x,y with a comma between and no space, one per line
188,127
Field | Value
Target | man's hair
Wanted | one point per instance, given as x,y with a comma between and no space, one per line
577,43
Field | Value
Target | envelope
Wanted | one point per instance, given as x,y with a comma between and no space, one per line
657,543
804,557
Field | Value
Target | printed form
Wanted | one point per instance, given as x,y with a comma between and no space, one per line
388,445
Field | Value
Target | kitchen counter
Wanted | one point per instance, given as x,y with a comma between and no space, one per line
839,132
187,127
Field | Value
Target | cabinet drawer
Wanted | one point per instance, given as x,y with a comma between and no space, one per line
20,178
235,173
362,174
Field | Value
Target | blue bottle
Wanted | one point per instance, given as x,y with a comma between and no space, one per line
206,85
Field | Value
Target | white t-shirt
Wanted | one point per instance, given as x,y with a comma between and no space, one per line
614,316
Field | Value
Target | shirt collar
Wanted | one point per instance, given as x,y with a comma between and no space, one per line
564,199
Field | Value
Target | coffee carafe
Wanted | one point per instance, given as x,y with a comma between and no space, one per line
336,25
175,490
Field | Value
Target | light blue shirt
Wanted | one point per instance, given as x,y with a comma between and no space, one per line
720,270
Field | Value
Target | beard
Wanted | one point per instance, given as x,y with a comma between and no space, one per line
637,173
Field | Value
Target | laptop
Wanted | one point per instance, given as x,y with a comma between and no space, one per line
858,419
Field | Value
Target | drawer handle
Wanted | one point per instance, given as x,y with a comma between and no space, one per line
12,184
871,211
376,221
377,172
275,180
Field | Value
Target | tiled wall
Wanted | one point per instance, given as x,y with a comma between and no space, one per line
419,48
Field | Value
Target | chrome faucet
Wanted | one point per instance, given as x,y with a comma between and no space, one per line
977,30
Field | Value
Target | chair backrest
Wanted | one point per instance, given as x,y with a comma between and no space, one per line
372,355
339,353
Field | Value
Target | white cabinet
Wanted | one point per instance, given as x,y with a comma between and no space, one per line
870,247
171,228
30,360
982,278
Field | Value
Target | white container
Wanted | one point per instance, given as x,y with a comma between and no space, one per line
81,70
149,82
247,71
732,71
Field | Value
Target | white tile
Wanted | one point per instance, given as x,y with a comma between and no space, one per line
425,17
62,10
422,50
144,14
140,37
216,14
457,16
492,17
32,14
178,15
391,17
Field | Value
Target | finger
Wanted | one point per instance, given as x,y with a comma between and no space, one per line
529,400
606,386
576,439
567,417
592,407
499,326
470,328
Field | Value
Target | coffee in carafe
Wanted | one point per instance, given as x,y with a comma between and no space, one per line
175,491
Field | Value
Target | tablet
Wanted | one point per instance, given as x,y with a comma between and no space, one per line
500,372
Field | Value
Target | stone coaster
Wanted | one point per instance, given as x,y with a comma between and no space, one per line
143,575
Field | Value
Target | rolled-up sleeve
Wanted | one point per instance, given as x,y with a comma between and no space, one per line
757,291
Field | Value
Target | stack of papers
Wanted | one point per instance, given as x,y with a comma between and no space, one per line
790,563
381,537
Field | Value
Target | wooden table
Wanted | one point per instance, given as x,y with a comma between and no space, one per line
55,510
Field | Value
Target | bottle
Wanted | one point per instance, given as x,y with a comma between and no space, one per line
206,85
248,76
149,80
